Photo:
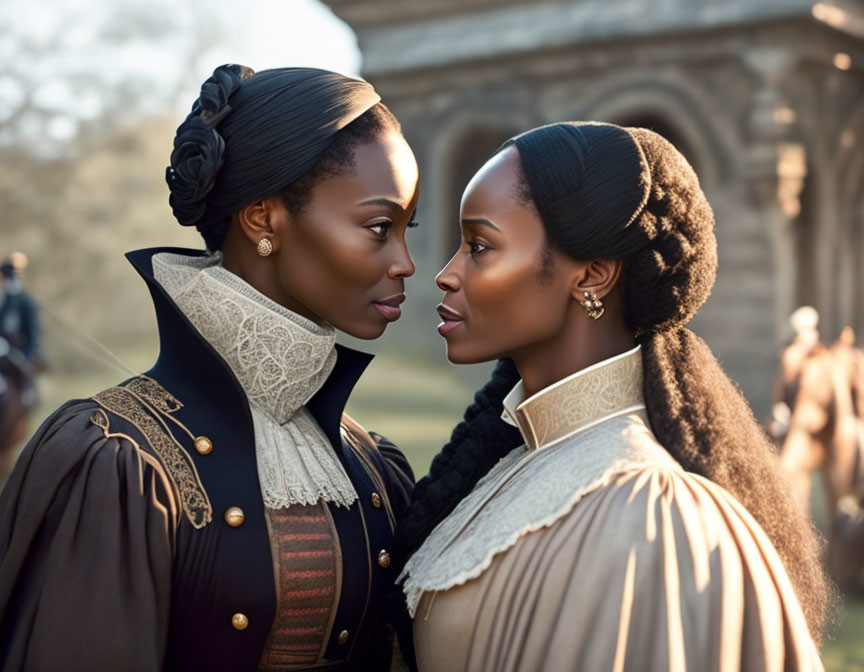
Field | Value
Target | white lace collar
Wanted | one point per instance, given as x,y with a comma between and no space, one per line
281,360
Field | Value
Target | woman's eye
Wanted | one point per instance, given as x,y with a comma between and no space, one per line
380,228
476,248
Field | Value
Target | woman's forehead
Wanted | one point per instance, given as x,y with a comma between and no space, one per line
495,183
386,167
383,168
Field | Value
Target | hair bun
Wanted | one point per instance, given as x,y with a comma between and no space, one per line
199,153
212,104
199,150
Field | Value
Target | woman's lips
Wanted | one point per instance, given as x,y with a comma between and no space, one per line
389,307
451,319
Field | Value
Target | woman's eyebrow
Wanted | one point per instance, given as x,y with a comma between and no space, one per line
480,222
385,202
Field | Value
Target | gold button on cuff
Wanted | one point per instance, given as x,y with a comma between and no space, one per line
203,445
343,637
235,516
384,559
239,621
376,500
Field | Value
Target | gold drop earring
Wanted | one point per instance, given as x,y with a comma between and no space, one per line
593,305
265,247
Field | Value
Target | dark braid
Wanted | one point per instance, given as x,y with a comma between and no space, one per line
477,443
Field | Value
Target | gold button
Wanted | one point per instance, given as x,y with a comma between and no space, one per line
384,559
376,500
343,637
239,621
203,445
235,516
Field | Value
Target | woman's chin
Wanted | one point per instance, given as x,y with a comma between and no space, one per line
367,333
366,330
462,355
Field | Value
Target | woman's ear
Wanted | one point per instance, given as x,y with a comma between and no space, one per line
597,278
262,219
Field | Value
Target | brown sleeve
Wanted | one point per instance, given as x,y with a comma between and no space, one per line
86,529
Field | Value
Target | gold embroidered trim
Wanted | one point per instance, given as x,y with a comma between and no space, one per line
154,394
565,408
125,403
100,419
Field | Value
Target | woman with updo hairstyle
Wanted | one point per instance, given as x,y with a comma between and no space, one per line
644,524
220,511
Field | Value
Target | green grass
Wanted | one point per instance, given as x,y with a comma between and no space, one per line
844,650
413,403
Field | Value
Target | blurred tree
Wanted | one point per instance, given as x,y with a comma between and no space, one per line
90,95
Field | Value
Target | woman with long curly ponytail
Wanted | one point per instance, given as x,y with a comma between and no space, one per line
645,523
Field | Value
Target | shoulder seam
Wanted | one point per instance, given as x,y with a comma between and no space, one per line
177,462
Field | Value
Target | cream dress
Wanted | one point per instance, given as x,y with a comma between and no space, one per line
591,549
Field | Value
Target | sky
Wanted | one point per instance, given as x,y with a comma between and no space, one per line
66,61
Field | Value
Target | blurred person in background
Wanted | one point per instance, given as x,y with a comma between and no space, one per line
646,523
220,511
805,343
826,434
19,314
846,536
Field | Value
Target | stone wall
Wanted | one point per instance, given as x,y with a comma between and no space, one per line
752,96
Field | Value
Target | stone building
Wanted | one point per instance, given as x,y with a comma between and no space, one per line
765,97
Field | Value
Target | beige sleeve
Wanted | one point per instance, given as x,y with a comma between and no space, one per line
659,570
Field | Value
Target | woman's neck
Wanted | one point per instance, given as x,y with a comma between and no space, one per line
579,345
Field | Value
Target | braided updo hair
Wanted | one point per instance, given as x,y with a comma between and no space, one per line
254,135
606,192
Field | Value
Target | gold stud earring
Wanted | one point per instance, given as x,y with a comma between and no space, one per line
265,247
593,305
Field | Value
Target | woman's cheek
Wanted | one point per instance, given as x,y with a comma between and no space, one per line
494,290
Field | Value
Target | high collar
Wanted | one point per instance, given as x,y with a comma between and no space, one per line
604,390
279,357
189,365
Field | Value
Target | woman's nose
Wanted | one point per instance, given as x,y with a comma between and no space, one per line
448,280
403,266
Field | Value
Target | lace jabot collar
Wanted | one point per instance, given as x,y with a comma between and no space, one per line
590,396
280,358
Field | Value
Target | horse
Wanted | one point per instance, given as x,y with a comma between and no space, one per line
17,400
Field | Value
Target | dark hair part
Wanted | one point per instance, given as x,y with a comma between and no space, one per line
696,412
337,159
